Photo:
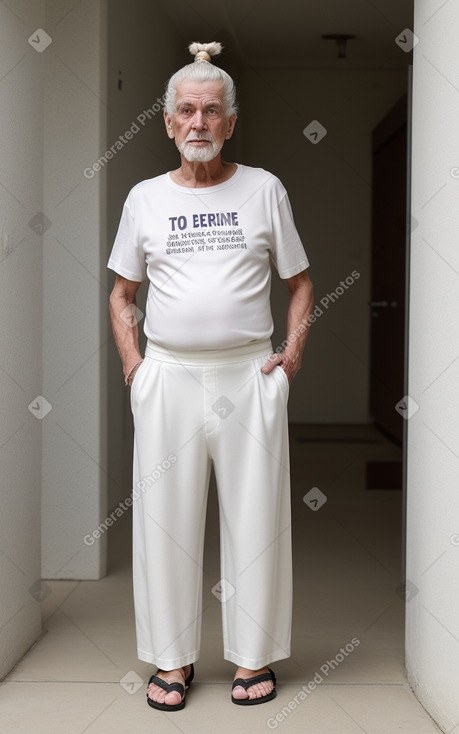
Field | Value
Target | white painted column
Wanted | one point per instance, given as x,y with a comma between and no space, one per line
75,294
432,610
21,192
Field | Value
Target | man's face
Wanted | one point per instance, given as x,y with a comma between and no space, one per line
199,124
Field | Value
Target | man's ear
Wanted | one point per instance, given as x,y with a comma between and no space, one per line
168,123
230,129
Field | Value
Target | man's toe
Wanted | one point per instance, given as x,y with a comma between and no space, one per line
260,689
239,693
156,693
172,698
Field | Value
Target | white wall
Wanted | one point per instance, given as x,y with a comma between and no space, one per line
74,292
21,133
329,185
145,47
432,619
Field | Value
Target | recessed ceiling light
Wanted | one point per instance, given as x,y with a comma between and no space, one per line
341,41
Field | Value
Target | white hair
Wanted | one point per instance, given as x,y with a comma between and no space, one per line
202,70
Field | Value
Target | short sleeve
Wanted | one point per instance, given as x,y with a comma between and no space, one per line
287,251
127,258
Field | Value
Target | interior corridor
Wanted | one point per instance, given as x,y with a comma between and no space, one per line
83,674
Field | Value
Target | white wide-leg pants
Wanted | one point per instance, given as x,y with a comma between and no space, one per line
191,409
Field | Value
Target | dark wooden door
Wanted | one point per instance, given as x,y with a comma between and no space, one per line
387,305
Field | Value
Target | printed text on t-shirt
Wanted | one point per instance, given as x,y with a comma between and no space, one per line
215,219
205,239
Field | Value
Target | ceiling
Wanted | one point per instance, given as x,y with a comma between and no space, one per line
288,33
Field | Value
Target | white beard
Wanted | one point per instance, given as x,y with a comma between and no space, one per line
203,155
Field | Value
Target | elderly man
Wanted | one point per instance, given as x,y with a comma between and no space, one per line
209,391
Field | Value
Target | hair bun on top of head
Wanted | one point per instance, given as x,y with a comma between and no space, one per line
204,51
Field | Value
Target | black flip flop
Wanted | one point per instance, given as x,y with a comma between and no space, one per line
247,682
168,687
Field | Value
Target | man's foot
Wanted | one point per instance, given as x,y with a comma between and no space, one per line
158,694
258,690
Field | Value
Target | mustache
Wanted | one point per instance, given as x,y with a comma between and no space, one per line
199,136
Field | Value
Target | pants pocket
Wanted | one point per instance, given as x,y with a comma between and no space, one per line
283,377
137,379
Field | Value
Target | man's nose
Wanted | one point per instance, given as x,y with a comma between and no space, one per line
199,122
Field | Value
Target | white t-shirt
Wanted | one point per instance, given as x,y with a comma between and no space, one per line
207,254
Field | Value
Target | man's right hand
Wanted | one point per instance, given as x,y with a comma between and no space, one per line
133,373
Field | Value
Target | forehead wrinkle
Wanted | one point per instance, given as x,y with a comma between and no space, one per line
191,100
190,92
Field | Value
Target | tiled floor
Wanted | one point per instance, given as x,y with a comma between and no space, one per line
347,565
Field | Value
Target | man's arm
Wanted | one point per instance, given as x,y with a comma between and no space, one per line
300,308
124,325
